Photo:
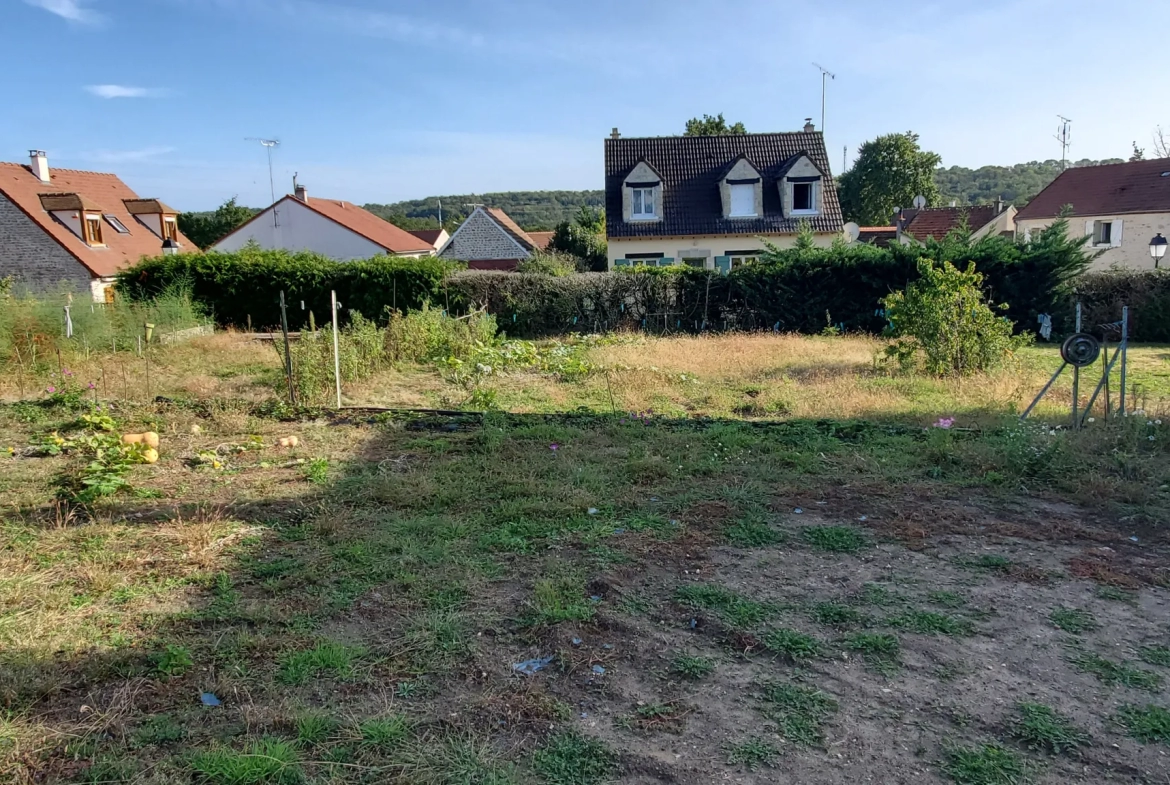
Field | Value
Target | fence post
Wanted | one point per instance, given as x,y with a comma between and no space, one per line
292,395
336,352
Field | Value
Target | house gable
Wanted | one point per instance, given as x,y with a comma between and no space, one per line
33,258
645,179
799,173
296,227
741,190
482,238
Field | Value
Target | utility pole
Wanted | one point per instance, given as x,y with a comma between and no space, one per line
825,75
268,145
1062,137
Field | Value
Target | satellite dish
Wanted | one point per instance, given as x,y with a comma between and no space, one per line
919,202
852,231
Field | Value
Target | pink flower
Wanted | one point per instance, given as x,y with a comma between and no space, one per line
50,389
66,372
91,385
554,447
944,422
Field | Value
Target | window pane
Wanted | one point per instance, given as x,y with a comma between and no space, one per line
802,196
649,201
743,200
637,202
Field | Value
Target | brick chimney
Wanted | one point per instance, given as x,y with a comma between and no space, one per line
301,193
39,163
614,134
808,125
998,205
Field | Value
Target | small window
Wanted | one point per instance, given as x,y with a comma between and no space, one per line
170,231
699,262
643,202
93,230
740,258
802,198
113,221
650,259
1102,233
743,201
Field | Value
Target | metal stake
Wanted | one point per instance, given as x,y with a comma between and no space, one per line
336,351
1124,351
288,371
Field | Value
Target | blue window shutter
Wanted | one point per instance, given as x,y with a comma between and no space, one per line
723,264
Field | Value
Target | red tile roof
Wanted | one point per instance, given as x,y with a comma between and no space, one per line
1110,189
512,228
880,236
938,222
541,239
368,225
428,236
105,191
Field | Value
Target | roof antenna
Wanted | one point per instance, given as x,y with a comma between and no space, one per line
825,74
268,144
1062,137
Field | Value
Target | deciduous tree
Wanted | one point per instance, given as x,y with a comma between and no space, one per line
713,126
888,173
206,229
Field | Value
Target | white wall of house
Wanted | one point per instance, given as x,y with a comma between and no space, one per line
301,229
1004,222
1131,235
703,246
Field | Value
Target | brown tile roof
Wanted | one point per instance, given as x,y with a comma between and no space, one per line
541,239
368,225
148,207
880,236
691,168
938,222
1134,187
428,236
53,202
107,192
512,228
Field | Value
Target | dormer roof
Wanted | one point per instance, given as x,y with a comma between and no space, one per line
148,207
63,202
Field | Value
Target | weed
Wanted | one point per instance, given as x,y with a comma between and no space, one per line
881,650
158,730
835,614
692,667
875,594
736,610
297,667
989,562
947,599
437,638
572,759
986,764
1155,655
634,605
800,712
1073,620
555,600
1117,672
1117,594
317,471
752,754
1042,728
748,533
1147,724
383,732
835,539
315,728
265,762
795,645
455,761
173,661
930,623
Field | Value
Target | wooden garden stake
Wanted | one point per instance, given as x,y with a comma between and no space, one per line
336,350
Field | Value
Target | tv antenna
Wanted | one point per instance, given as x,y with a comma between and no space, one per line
1062,136
268,145
825,76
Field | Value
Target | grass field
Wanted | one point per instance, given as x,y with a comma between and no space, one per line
808,584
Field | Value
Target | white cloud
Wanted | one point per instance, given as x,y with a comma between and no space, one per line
124,156
73,10
124,91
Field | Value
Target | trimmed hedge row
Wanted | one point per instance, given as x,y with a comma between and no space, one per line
1103,294
236,286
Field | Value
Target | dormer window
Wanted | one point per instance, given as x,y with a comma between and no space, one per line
113,221
741,190
170,230
92,227
642,203
743,201
802,198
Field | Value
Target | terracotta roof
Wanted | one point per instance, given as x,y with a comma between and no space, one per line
512,228
938,222
691,168
428,236
53,202
148,207
368,225
541,239
880,236
107,193
1134,187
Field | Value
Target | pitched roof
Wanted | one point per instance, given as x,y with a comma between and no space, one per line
148,207
428,236
512,228
541,239
95,191
691,168
880,236
368,225
1109,189
938,222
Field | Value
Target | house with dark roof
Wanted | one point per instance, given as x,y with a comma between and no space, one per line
490,240
1120,207
331,227
712,201
76,229
938,222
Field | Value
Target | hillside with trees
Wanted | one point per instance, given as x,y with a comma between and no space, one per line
1016,184
535,211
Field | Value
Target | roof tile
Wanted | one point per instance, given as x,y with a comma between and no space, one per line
1109,189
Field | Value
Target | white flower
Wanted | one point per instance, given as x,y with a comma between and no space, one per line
1092,419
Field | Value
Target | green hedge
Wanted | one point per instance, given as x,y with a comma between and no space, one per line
1103,294
236,286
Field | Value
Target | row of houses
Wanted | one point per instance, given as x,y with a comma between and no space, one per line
705,201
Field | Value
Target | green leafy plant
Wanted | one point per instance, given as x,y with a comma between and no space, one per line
795,645
1147,724
944,321
569,758
753,753
692,667
317,471
930,623
835,614
1112,672
736,610
800,712
1043,728
173,661
835,539
297,667
1155,655
264,762
986,764
1073,620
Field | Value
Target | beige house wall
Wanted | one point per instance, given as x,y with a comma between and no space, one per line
1136,231
704,246
1004,222
743,170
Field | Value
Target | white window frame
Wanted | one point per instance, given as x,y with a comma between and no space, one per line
812,199
739,260
1098,232
116,223
638,204
741,189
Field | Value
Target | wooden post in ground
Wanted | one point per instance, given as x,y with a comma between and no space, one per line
292,394
336,350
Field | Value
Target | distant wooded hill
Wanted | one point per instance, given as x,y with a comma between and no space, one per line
1015,184
534,210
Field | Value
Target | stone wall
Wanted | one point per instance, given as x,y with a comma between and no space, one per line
35,261
480,238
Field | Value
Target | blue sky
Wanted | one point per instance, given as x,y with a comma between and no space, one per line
379,101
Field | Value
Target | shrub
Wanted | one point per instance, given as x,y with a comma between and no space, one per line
944,319
236,286
1103,294
548,263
